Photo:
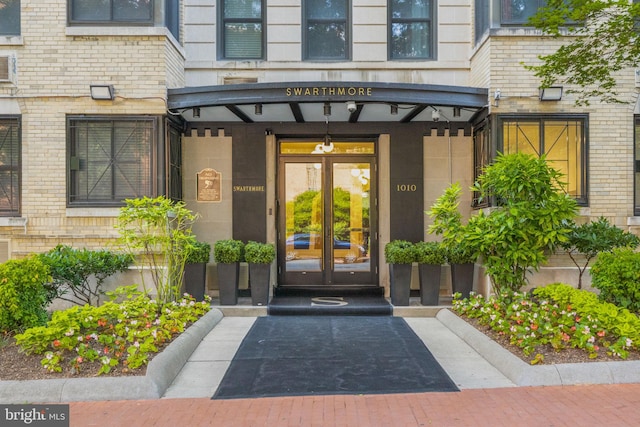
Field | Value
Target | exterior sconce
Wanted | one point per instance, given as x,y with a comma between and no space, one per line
435,115
102,92
258,109
327,109
496,97
553,93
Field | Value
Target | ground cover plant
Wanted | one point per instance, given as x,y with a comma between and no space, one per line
123,333
554,319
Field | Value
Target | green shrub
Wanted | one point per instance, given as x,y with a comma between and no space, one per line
23,297
400,252
460,255
617,275
198,252
620,322
259,253
228,251
71,270
430,253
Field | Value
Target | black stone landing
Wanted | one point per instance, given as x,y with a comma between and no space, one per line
347,301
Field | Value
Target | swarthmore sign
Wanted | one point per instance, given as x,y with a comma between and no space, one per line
35,415
329,91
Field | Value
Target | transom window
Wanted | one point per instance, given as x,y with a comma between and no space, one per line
561,139
326,29
242,29
9,17
111,11
411,29
10,167
110,159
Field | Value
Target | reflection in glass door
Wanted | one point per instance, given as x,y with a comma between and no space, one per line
326,220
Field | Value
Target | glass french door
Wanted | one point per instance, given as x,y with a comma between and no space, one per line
327,218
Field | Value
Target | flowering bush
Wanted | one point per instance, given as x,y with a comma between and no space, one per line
530,322
126,332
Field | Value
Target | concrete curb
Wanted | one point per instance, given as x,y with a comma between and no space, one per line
523,374
160,374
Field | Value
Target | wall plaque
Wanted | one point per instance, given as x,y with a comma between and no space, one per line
209,185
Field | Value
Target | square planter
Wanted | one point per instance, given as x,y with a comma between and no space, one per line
259,277
228,277
429,283
400,278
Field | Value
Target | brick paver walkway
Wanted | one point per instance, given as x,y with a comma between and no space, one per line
582,406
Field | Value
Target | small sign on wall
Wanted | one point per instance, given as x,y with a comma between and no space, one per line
209,186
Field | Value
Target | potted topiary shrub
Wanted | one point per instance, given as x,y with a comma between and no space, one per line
227,254
259,256
462,262
430,257
400,255
194,279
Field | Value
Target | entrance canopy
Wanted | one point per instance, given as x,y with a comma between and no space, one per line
306,102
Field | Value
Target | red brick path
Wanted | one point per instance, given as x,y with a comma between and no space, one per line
576,406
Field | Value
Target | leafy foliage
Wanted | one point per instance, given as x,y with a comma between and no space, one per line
607,41
594,237
198,252
23,297
159,230
126,333
71,270
228,251
400,252
430,253
533,215
259,253
617,275
558,316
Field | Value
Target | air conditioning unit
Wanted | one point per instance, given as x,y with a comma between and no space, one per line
7,68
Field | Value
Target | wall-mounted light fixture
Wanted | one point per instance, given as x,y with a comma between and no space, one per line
553,93
258,109
435,115
394,109
327,109
102,92
351,106
196,111
496,97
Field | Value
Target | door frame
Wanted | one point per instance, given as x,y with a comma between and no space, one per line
327,277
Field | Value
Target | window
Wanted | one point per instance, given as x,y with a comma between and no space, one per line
9,17
110,159
561,139
242,29
518,12
411,29
326,30
636,210
481,19
10,166
111,11
172,20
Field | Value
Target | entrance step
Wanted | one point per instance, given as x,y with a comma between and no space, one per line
344,305
324,291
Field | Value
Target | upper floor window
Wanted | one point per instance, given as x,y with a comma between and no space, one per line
9,17
326,29
10,168
110,159
119,12
242,29
518,12
562,139
411,29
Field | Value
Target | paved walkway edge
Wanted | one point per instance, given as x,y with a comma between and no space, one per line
523,374
160,374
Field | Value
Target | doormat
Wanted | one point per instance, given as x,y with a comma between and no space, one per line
349,305
325,355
